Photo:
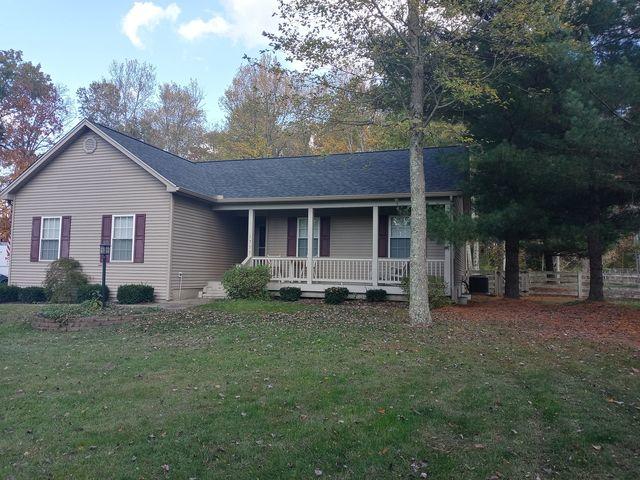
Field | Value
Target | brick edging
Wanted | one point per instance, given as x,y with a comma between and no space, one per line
76,324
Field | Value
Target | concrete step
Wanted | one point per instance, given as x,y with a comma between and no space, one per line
213,290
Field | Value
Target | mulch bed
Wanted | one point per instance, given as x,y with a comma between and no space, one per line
554,318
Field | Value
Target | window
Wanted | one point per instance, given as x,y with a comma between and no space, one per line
122,238
302,236
50,238
400,236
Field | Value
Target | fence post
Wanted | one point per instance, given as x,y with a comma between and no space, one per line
579,284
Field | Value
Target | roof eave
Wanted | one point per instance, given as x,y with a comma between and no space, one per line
324,198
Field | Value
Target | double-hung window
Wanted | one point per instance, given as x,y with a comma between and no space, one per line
302,236
400,236
50,238
122,232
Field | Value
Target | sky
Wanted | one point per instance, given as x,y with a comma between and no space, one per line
75,41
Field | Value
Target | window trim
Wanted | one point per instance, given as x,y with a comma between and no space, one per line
42,219
133,237
391,217
298,235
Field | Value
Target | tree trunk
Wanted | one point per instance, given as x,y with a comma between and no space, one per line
512,267
418,288
595,250
548,262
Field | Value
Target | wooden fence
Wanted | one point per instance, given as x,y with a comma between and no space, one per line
574,284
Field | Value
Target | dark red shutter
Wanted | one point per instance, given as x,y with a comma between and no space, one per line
383,236
138,244
325,236
65,237
292,236
105,236
35,238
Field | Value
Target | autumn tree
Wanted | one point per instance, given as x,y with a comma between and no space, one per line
32,115
262,113
176,122
421,58
170,116
122,99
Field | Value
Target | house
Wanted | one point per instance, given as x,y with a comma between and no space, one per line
178,225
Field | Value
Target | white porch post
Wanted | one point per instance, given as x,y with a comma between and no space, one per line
374,253
310,245
251,232
448,270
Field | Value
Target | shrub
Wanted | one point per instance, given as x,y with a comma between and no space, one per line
32,295
290,294
91,291
437,291
63,280
247,282
9,293
130,294
376,295
62,314
335,295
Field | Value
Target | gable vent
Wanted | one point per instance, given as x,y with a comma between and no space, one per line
90,144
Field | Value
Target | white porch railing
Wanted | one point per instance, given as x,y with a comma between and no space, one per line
391,271
349,270
284,269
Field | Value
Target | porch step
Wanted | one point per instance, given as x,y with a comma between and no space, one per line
213,290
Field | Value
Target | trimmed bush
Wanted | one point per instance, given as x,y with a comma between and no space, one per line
335,295
437,288
91,291
9,293
131,293
32,295
290,294
376,295
247,282
63,280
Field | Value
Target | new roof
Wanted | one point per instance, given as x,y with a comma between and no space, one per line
354,174
363,174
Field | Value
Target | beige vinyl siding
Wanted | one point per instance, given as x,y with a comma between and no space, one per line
351,236
205,244
87,186
276,235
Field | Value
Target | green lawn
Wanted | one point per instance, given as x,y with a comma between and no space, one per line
348,391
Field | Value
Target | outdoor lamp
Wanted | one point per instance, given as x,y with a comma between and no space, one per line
105,251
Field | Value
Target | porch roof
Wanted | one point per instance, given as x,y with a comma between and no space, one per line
355,174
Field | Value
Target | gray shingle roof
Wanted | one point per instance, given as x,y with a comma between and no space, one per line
365,173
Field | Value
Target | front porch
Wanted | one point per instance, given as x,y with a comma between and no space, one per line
357,246
357,274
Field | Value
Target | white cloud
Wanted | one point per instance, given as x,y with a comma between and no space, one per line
242,21
147,16
198,27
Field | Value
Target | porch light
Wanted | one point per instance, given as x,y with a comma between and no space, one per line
105,250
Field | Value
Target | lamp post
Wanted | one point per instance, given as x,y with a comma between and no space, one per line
105,251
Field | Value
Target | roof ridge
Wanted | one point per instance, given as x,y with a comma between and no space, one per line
322,154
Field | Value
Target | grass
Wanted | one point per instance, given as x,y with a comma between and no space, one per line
253,390
256,306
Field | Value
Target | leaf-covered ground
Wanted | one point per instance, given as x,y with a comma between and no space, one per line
493,390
